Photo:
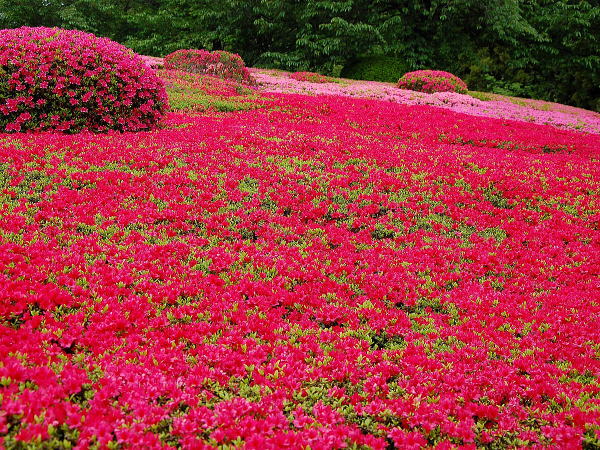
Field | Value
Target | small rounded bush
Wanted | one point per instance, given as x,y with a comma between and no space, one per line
218,63
70,81
431,81
310,77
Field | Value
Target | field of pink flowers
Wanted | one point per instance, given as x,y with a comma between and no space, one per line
498,106
280,270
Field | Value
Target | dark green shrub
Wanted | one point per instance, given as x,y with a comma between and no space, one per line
376,68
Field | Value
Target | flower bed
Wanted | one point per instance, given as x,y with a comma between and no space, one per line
502,107
193,92
322,271
218,63
431,81
64,80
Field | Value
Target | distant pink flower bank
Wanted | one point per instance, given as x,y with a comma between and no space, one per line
533,111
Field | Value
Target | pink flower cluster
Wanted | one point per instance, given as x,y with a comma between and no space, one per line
153,61
218,63
531,111
320,271
431,81
54,79
311,77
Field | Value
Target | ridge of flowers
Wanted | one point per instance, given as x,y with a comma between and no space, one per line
530,111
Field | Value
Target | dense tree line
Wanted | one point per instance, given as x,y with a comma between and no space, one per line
536,48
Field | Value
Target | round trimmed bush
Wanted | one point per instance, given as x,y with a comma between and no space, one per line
67,80
310,77
218,63
431,81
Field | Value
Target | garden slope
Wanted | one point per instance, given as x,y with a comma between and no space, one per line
474,103
320,271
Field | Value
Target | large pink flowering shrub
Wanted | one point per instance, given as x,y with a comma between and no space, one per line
66,80
431,81
218,63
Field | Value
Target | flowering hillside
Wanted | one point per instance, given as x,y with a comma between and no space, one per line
476,103
278,270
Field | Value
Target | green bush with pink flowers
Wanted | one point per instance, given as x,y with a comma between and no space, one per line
219,63
70,81
431,81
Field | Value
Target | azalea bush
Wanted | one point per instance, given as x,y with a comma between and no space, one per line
432,81
310,77
317,271
65,80
218,63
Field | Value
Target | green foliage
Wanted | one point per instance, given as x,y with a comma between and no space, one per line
376,68
15,13
557,57
566,63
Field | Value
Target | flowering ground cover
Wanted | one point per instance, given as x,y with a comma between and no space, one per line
153,61
311,271
477,103
193,93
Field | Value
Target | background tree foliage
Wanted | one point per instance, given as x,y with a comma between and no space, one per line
536,48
